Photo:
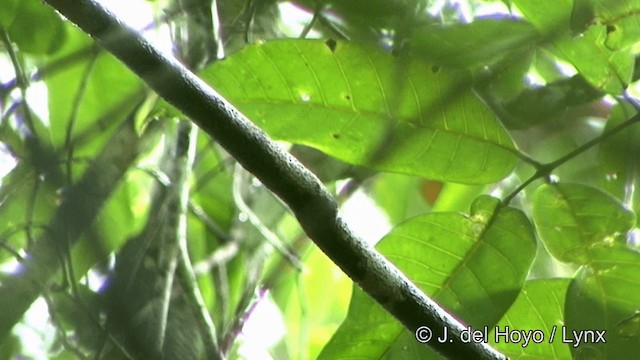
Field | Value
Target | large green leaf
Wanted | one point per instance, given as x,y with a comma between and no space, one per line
572,218
88,97
604,296
473,265
367,107
539,313
34,28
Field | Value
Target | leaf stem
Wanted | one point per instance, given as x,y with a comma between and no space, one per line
544,170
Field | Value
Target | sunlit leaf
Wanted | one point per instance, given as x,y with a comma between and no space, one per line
367,107
603,297
572,218
88,97
620,18
539,312
473,265
297,294
399,196
123,215
606,67
34,28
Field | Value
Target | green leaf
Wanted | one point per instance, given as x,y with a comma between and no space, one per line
123,215
473,265
367,107
399,196
508,79
620,18
213,181
582,16
311,316
545,64
35,28
604,296
326,168
606,69
26,207
369,332
9,347
457,197
89,97
616,158
8,12
539,312
469,45
591,53
572,218
547,16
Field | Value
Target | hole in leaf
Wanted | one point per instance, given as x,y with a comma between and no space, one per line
611,28
331,44
347,97
435,69
336,136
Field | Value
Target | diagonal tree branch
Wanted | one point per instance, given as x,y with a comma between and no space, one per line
314,207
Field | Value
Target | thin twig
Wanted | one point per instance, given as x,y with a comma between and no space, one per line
544,170
258,225
22,79
185,268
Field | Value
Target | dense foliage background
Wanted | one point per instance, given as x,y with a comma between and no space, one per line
495,139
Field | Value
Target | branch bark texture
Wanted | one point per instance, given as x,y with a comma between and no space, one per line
308,199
